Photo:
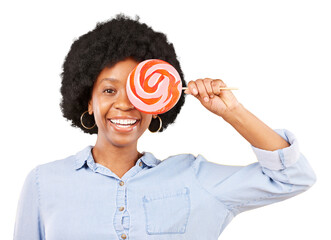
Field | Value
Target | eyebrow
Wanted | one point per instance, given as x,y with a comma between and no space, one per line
110,79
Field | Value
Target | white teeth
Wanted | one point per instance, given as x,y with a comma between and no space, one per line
123,121
123,126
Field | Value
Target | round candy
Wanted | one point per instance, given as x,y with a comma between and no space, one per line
154,86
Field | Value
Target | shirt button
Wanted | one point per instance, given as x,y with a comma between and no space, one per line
121,208
121,183
140,164
123,236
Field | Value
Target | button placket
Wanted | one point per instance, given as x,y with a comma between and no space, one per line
121,206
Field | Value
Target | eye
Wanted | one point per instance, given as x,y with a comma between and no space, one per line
108,90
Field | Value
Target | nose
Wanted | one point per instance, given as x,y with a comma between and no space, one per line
123,103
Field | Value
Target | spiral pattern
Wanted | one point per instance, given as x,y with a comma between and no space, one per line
154,86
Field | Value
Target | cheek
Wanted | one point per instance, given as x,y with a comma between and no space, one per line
146,120
101,107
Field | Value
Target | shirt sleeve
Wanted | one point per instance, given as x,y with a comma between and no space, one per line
277,175
27,223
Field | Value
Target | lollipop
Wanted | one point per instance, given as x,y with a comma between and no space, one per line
154,86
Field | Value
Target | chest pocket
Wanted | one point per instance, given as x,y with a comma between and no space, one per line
167,212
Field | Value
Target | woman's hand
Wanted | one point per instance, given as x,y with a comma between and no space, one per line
207,91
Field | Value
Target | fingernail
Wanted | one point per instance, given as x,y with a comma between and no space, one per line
195,92
206,99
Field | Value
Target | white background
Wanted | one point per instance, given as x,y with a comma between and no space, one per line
276,52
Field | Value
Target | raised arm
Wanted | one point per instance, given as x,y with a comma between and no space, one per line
281,171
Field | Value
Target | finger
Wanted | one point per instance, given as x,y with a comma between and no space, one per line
209,89
222,83
192,87
202,90
216,85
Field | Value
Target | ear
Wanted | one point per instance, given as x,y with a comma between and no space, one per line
89,107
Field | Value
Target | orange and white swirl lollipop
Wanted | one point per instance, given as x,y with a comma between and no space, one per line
154,86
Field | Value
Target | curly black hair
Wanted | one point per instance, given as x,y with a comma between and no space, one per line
110,42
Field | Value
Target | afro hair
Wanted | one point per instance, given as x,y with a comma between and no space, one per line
108,43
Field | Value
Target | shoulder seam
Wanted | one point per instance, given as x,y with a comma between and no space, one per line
39,195
37,185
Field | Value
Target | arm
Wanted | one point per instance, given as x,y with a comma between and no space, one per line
254,130
281,171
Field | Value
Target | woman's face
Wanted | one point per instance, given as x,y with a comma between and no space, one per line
118,121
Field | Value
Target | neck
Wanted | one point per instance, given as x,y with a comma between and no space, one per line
119,159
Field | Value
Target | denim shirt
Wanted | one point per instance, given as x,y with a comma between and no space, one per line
181,197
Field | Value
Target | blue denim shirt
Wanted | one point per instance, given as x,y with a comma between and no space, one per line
181,197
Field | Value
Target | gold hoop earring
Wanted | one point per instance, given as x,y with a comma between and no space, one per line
81,121
160,123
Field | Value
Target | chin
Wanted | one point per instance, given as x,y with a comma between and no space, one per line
121,143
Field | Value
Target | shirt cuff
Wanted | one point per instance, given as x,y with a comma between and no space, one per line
281,158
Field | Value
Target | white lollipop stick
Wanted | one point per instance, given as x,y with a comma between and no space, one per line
222,88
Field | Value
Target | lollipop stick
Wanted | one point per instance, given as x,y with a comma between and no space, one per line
222,88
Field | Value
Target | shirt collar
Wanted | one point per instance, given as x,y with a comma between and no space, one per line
86,154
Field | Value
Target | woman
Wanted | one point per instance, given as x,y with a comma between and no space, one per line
112,191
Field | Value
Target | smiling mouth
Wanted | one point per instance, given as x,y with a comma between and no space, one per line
124,124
